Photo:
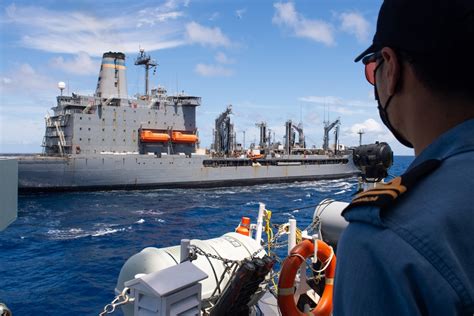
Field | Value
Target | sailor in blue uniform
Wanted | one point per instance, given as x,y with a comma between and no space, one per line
409,245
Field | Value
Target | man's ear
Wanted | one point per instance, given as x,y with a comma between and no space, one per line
391,69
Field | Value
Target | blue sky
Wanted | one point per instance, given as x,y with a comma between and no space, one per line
272,61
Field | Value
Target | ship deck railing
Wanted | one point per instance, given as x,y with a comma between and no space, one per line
226,162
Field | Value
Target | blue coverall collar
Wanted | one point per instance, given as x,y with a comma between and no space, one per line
456,140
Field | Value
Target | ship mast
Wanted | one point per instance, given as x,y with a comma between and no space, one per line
145,60
360,132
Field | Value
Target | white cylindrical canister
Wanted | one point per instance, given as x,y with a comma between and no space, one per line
329,212
231,246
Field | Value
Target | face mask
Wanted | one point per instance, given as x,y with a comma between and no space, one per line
384,117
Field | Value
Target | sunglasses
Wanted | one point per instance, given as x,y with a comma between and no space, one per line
370,63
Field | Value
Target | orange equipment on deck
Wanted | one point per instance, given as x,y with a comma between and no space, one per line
179,137
244,226
256,156
152,137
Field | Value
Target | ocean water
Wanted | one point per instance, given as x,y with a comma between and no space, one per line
63,254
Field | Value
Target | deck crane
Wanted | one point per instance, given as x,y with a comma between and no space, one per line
224,131
327,128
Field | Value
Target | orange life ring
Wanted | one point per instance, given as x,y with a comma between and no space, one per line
286,289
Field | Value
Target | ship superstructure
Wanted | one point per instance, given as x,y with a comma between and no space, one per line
109,140
110,122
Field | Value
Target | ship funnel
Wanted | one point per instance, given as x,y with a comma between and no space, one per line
112,82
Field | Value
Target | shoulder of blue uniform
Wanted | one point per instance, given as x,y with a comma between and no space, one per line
455,141
368,205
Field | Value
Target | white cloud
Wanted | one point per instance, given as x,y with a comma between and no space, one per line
316,30
74,31
240,13
354,23
81,64
167,11
345,110
285,14
373,131
21,130
24,99
214,16
173,4
337,101
224,59
342,106
213,70
27,80
150,18
368,126
197,33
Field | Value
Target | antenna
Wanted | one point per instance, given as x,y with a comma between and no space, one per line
61,86
360,132
145,60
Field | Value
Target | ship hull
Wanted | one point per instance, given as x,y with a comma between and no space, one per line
110,172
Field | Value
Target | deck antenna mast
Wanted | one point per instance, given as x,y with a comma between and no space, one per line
360,132
148,63
61,86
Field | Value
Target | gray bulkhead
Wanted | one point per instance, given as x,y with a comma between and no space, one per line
116,129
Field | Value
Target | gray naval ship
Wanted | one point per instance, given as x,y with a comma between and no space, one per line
110,141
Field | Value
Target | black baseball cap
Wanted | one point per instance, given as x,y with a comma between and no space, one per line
424,26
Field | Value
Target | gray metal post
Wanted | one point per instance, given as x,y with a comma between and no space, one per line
185,243
146,79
